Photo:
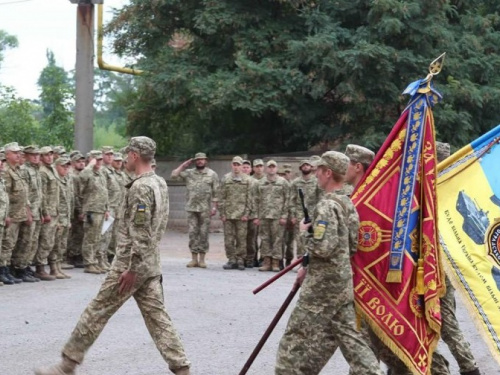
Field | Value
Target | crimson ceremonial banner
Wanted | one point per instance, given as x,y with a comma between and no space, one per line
398,276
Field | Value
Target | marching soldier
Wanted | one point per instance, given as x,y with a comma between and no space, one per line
202,185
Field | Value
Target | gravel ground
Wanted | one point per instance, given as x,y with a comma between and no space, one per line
219,319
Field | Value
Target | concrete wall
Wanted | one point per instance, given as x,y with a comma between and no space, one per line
221,165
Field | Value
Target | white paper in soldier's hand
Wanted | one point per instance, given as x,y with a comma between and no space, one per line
106,224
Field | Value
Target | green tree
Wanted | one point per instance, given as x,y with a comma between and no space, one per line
6,41
56,100
283,75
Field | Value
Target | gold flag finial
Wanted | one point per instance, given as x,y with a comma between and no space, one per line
436,66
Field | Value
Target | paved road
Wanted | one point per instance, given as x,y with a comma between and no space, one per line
217,316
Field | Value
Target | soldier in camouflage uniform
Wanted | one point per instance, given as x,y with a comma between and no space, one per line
19,210
65,210
76,232
360,159
4,219
324,316
50,204
312,193
120,176
202,185
27,242
234,203
136,272
246,167
115,198
253,230
93,195
270,213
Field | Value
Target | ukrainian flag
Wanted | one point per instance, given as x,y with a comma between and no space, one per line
468,194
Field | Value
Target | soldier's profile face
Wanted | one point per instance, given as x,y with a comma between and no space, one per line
322,176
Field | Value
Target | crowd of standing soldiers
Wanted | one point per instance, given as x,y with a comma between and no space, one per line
58,209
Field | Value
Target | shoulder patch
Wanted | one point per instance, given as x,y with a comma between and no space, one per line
320,229
140,215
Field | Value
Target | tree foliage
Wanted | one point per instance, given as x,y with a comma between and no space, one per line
6,41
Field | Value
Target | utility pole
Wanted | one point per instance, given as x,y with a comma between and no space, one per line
84,101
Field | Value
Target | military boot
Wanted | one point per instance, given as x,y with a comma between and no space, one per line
3,278
266,264
66,266
241,264
473,372
230,265
24,276
92,269
275,267
54,271
202,263
194,261
42,275
59,268
30,272
77,261
9,275
182,371
65,367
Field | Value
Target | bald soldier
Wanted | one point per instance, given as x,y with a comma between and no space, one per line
202,185
136,272
324,318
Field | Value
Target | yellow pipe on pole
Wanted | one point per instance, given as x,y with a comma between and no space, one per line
100,62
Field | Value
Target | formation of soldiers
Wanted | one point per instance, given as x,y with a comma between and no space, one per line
55,208
263,202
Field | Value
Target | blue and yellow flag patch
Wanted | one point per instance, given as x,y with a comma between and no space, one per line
320,229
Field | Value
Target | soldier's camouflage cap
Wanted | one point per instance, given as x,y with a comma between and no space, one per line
246,162
314,159
63,160
144,146
442,151
13,147
77,156
281,170
258,162
107,150
200,155
46,150
31,149
336,161
271,162
238,160
96,154
287,167
118,156
305,161
359,154
59,150
73,153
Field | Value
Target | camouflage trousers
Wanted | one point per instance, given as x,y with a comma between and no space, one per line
199,226
27,244
46,242
271,234
451,333
288,239
252,246
58,253
10,236
75,238
2,232
296,235
149,297
310,340
91,247
439,363
107,237
235,240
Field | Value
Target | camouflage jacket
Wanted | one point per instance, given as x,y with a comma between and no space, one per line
139,231
166,204
121,176
4,203
66,200
328,284
34,180
115,194
75,180
50,190
201,188
93,191
271,200
128,177
17,190
235,196
312,194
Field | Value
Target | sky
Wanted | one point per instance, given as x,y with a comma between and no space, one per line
40,25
